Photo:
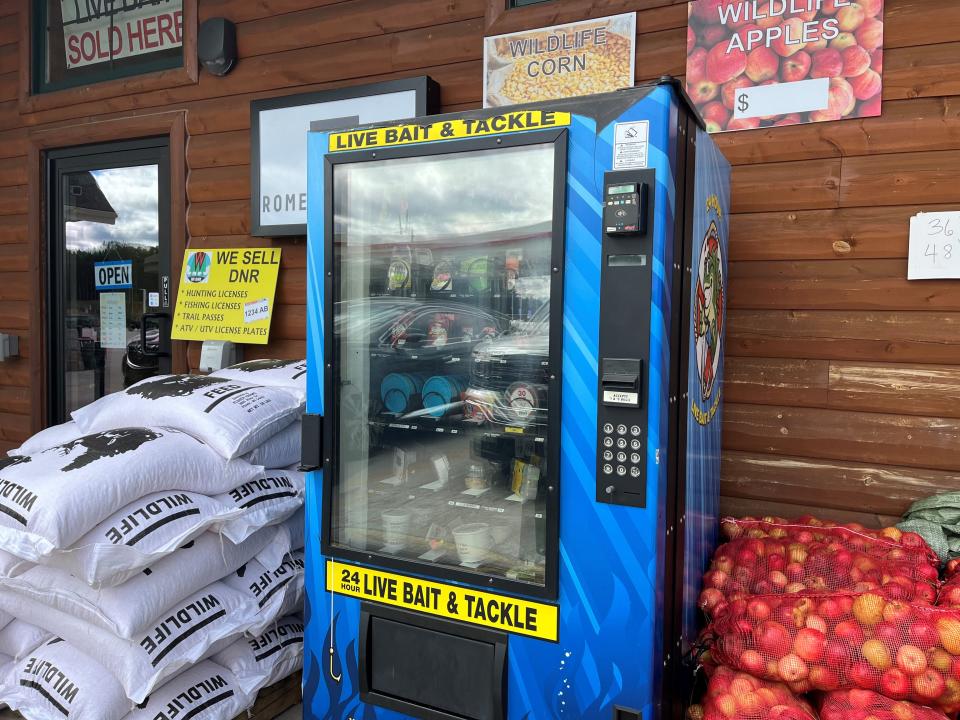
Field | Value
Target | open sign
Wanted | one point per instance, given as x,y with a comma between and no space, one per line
113,275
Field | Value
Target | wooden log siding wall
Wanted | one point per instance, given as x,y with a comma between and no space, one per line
843,379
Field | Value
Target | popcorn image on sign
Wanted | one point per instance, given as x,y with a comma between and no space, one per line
772,63
581,58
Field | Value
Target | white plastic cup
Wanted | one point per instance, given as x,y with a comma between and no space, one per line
473,542
396,527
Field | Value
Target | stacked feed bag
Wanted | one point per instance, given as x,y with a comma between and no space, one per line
142,538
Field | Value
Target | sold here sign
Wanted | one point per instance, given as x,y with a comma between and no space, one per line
763,63
96,31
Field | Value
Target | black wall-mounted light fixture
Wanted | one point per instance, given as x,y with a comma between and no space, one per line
217,45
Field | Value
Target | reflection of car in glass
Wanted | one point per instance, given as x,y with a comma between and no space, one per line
406,324
509,376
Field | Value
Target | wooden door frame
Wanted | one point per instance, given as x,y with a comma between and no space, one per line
170,124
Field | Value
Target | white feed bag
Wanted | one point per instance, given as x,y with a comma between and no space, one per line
289,536
206,691
139,535
230,416
259,661
275,591
193,629
57,681
280,450
291,375
266,500
50,500
46,439
129,608
19,637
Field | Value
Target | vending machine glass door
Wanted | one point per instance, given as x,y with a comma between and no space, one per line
445,359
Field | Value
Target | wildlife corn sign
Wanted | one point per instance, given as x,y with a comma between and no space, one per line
227,295
763,63
579,58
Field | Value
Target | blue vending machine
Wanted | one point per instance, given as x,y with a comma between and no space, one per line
515,348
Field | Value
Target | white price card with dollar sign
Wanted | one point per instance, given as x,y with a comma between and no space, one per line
934,246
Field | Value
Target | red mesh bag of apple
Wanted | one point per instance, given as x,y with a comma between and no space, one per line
733,695
950,592
866,704
889,543
845,641
773,566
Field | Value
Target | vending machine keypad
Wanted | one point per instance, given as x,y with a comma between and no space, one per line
625,282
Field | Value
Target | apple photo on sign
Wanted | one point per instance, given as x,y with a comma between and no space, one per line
770,63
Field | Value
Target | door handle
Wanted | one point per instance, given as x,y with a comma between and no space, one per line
159,317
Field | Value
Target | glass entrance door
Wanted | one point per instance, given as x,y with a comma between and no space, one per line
109,270
445,349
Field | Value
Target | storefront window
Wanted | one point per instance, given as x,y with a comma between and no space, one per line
80,42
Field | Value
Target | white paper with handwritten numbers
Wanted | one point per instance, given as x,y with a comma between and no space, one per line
934,246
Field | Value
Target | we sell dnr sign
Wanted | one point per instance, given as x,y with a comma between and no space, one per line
96,31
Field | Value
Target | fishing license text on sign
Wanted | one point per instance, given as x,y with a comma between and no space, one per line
476,607
451,130
226,295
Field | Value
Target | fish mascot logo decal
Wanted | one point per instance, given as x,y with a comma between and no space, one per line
198,267
708,315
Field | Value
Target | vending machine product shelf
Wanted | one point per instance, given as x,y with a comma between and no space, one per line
515,344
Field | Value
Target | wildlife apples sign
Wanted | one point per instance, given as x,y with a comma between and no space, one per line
764,63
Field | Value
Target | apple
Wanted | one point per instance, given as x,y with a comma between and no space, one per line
728,91
710,600
912,660
923,634
708,11
798,552
775,561
949,630
752,662
767,696
827,64
952,567
872,8
895,684
757,608
790,41
902,710
716,112
823,678
819,44
897,612
713,34
868,608
851,17
842,102
855,60
867,85
792,668
877,654
727,705
922,591
762,64
940,659
870,37
742,684
773,639
864,675
744,124
696,67
815,622
888,633
863,699
809,644
703,92
843,40
829,609
723,67
849,631
929,685
837,655
796,67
